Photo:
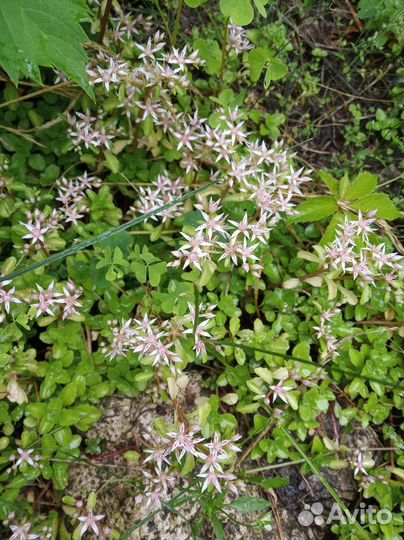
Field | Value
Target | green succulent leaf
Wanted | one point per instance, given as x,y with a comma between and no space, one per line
194,3
240,12
259,4
257,59
276,69
210,51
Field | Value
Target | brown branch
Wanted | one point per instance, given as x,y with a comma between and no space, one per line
43,90
357,20
251,447
104,21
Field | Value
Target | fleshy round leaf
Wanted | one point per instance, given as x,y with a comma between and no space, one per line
240,12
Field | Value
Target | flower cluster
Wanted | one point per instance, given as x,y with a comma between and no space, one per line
211,455
7,297
147,88
324,332
144,337
360,463
89,522
237,39
161,192
37,226
287,388
23,531
25,456
158,341
72,196
354,253
126,24
234,243
89,131
45,301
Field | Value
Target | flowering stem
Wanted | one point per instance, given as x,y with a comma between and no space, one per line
138,126
177,23
196,320
164,19
127,534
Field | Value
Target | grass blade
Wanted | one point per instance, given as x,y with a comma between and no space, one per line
360,530
57,257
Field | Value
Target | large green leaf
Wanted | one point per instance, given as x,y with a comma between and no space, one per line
380,202
315,209
46,33
364,184
331,231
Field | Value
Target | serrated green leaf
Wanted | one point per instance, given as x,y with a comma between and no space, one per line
377,201
44,33
331,230
315,209
331,182
364,184
247,505
344,186
240,12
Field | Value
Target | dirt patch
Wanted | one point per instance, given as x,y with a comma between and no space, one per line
120,429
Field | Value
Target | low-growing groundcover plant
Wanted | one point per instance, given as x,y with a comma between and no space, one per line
152,232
